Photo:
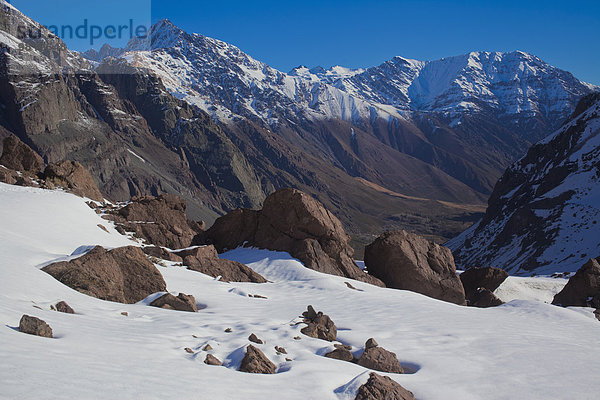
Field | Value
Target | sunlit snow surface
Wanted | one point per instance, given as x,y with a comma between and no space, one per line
522,350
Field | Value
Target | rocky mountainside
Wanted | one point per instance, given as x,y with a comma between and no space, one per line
122,124
543,214
469,116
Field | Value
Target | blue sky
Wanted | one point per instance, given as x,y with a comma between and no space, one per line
360,33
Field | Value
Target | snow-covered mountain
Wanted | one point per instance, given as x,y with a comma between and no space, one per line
210,72
544,212
470,115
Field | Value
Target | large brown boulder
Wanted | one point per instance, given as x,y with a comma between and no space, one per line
382,388
17,156
479,285
34,326
161,220
380,359
205,259
255,362
181,302
294,222
407,261
74,177
319,325
583,288
124,274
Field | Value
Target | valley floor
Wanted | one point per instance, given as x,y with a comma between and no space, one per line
525,349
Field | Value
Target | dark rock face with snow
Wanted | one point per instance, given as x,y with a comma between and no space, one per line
255,362
542,216
34,326
291,221
124,274
583,288
382,388
406,261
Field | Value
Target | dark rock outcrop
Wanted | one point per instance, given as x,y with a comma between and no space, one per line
74,177
408,261
382,388
124,274
205,259
479,285
183,302
17,156
161,220
294,222
583,288
34,326
212,360
319,326
63,307
255,362
380,359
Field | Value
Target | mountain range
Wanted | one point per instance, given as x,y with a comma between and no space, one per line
408,144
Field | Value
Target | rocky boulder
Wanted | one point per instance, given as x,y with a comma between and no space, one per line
408,261
183,302
319,325
205,259
382,388
294,222
212,360
74,177
483,298
255,362
479,285
489,278
380,359
34,326
63,307
583,288
124,274
17,156
161,220
341,352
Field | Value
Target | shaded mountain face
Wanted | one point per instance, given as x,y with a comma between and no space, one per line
469,116
543,215
122,124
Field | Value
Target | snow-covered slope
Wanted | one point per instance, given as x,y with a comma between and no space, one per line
524,349
543,214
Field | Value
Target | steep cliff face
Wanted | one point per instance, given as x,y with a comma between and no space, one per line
544,214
